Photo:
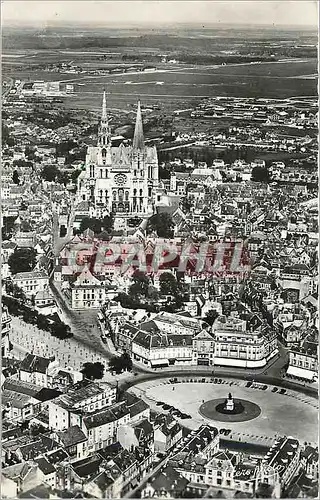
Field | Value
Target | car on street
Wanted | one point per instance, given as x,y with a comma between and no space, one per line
275,389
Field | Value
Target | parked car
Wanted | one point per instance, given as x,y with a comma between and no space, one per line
159,403
264,387
166,407
275,389
248,384
282,391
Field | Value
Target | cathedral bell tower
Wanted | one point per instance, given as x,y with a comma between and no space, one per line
104,135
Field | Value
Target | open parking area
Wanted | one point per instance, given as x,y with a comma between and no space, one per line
279,415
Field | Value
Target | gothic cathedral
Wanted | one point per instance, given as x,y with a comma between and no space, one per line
123,179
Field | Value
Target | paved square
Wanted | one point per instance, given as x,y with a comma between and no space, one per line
280,414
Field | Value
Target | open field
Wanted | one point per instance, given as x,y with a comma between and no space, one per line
185,85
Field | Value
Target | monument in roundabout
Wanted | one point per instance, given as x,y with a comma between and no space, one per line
229,410
230,406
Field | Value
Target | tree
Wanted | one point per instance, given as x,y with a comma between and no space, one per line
60,330
26,226
91,223
43,323
22,260
168,284
15,177
260,174
211,316
30,153
162,224
107,222
7,227
126,360
15,291
140,285
63,178
49,173
93,371
75,174
121,363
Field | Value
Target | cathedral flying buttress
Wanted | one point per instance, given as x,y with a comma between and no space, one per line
120,180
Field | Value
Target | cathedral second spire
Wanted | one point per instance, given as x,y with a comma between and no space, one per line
104,130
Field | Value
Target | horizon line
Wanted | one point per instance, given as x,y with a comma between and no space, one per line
117,24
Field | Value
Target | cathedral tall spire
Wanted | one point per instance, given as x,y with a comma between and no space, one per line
104,107
138,139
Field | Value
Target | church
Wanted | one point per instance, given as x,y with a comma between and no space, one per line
120,180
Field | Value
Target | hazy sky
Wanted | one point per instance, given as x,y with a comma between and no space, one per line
278,12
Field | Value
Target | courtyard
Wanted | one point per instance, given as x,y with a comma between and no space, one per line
290,414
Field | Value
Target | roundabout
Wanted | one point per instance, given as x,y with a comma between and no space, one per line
265,414
243,411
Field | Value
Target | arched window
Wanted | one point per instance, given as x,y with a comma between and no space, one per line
101,172
140,192
104,152
127,195
114,195
120,194
134,192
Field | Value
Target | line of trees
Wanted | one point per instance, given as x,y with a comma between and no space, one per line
97,225
53,325
206,154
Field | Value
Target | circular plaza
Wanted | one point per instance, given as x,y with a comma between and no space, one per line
266,413
215,409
